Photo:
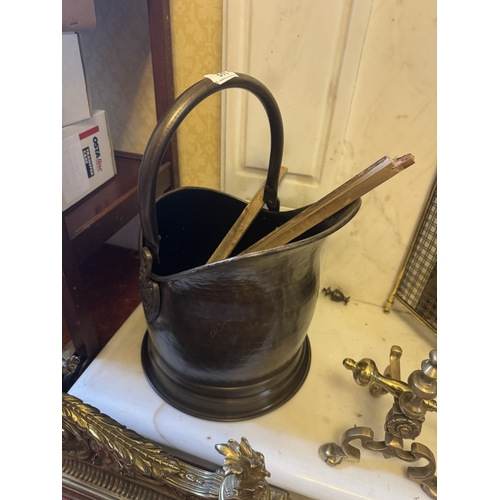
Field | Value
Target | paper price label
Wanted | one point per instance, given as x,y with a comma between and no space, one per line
222,77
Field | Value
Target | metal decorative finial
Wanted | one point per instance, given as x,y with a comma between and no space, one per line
404,420
245,472
336,295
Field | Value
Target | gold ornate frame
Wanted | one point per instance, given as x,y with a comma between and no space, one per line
103,460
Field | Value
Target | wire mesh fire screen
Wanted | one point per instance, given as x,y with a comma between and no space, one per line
416,286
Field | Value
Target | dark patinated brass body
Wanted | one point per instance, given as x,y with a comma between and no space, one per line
226,340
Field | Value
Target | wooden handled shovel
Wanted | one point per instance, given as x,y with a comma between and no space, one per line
359,185
227,245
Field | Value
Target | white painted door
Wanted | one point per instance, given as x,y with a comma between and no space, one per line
307,53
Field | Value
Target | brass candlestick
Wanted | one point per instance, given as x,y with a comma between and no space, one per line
404,420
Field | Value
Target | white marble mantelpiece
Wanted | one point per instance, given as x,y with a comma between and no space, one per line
327,404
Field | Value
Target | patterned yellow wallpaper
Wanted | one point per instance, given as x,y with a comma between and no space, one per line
118,63
117,58
197,51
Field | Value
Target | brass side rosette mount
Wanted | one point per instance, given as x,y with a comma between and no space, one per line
404,420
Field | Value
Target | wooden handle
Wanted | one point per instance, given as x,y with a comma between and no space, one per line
359,185
234,235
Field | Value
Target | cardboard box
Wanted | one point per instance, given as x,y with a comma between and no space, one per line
88,159
76,105
78,15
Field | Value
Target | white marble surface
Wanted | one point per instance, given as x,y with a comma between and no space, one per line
327,404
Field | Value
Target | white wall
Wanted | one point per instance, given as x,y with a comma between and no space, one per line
393,112
377,61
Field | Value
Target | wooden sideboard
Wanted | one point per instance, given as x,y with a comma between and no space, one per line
91,222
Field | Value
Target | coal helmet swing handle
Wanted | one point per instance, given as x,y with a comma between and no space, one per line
166,128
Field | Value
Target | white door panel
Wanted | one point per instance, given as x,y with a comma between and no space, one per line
307,54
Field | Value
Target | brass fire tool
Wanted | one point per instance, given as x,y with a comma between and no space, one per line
403,421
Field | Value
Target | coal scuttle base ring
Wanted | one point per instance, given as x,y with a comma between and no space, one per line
226,404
